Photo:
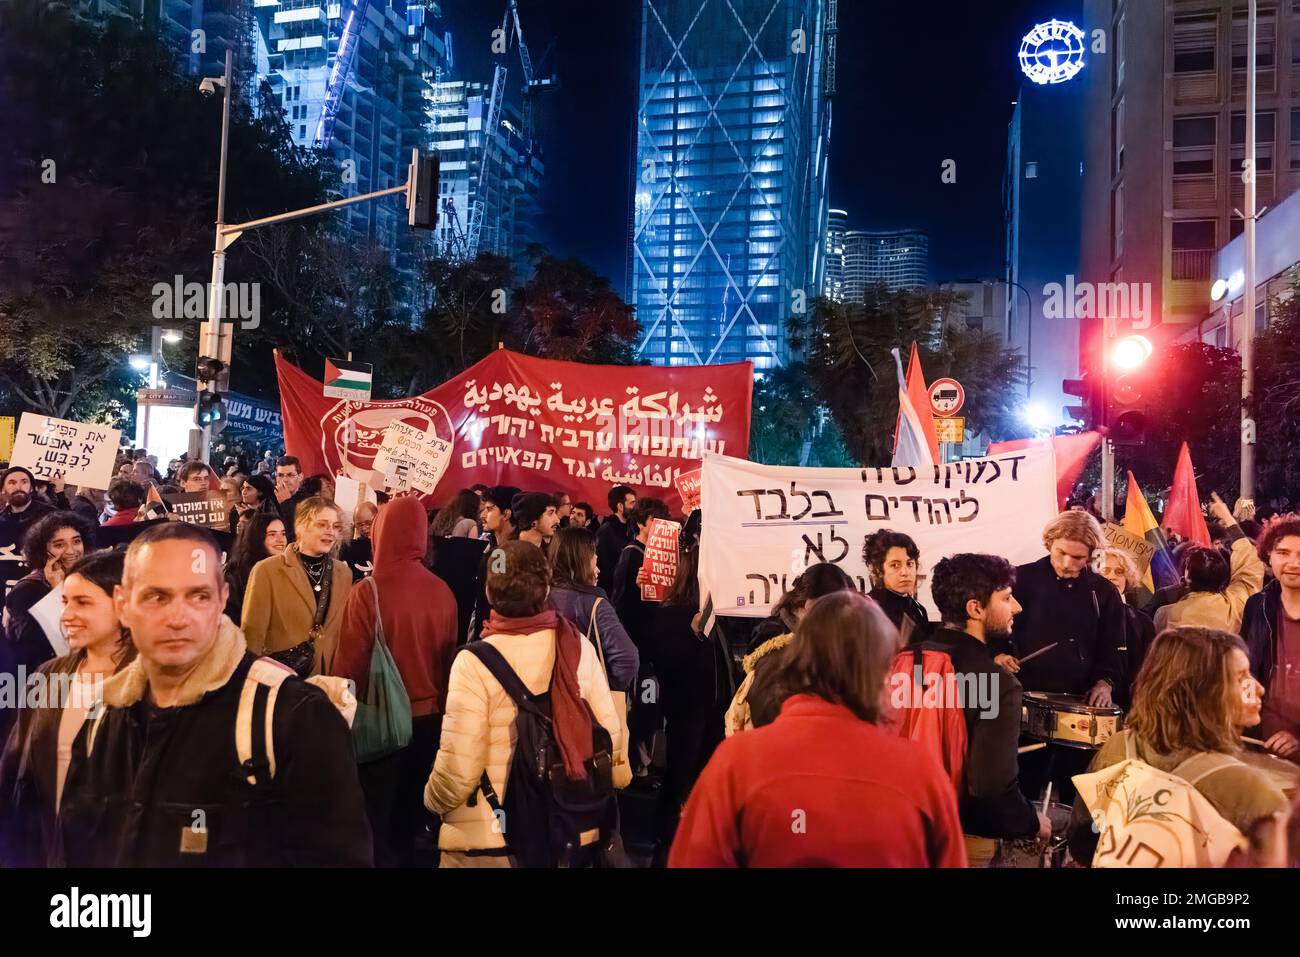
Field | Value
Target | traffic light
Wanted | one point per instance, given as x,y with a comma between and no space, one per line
1089,409
211,411
422,190
1129,391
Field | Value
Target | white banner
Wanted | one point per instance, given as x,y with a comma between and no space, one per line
764,524
83,454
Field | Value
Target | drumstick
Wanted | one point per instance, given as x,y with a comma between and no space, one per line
1041,651
1047,796
1254,741
1032,747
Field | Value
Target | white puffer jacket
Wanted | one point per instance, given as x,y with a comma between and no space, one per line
478,732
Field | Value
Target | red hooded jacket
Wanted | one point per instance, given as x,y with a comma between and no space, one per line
418,609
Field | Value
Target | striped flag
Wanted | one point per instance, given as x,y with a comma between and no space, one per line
919,394
912,447
348,380
1139,520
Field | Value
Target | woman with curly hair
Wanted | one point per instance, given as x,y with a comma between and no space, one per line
52,545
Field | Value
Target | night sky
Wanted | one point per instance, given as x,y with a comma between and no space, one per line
919,82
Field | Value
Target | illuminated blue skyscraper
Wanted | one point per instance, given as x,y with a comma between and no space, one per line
729,194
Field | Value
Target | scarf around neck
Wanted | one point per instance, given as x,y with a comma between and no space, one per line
570,715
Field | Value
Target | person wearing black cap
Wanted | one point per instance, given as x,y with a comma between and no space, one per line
22,507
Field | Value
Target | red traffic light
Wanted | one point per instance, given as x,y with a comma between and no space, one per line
1130,353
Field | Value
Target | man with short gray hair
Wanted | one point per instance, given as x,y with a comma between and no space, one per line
200,753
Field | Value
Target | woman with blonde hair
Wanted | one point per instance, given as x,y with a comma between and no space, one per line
1120,568
1194,696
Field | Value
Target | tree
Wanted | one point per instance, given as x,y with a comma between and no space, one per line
108,181
566,311
848,359
1277,401
788,426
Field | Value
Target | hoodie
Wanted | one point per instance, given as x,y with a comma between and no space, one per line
417,609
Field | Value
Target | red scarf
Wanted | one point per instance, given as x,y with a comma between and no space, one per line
569,713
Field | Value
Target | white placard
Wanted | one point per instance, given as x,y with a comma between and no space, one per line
82,453
411,458
763,524
47,613
347,496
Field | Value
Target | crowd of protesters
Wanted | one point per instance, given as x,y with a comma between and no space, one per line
488,686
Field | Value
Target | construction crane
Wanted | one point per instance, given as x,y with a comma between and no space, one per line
490,123
349,40
532,83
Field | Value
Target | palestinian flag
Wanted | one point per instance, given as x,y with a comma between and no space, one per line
348,380
1139,520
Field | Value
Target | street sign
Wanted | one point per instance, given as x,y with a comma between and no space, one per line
950,429
348,380
946,397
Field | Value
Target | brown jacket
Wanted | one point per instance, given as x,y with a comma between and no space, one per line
280,606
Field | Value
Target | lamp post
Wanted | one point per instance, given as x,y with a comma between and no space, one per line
1029,335
1247,334
210,341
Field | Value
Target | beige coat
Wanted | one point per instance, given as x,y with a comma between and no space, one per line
478,732
280,606
1221,610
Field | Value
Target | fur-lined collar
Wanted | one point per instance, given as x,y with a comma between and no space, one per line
766,648
128,686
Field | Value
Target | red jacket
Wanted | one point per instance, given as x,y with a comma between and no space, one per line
418,609
819,787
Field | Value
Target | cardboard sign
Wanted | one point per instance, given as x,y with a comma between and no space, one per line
81,452
688,487
1119,537
660,558
207,509
411,458
6,437
349,493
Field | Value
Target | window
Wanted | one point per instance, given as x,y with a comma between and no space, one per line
1264,34
1295,138
1236,226
1193,247
1031,170
1117,222
302,132
1117,77
1194,141
1264,136
1117,137
1194,41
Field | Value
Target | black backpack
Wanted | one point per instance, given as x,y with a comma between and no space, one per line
547,819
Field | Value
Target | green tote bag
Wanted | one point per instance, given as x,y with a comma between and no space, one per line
383,721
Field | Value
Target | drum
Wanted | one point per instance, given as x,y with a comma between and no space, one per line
1284,774
1031,852
1065,719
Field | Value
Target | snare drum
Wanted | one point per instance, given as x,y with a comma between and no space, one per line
1065,719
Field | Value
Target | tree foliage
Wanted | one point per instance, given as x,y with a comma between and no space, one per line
789,426
853,374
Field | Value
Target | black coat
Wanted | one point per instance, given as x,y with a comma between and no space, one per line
155,774
611,538
900,607
1260,631
1084,615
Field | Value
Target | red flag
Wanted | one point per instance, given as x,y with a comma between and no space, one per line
1072,453
919,394
1183,512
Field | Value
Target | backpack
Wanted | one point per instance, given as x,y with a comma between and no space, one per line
1146,817
547,819
917,676
257,697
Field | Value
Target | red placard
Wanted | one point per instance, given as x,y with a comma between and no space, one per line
660,558
538,424
688,487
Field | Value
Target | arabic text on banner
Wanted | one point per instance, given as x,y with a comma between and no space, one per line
538,424
763,525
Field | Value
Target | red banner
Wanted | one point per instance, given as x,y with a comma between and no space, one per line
538,424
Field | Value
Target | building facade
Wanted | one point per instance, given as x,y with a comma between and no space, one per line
985,306
833,283
896,259
510,187
729,192
1164,166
